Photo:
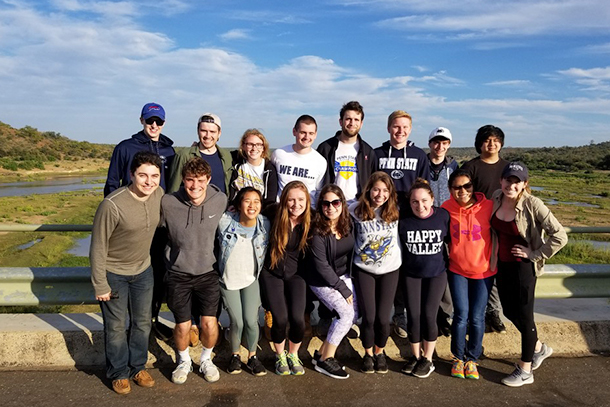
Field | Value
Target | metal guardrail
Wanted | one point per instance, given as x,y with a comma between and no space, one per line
33,286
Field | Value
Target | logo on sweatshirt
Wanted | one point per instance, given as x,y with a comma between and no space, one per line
474,234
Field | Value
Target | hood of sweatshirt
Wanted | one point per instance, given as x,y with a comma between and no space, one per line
462,215
196,212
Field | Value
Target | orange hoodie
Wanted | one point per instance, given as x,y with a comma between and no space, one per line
470,250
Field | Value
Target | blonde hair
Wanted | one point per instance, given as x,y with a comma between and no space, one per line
396,114
281,225
257,133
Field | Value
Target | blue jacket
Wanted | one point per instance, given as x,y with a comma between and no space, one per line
118,171
227,236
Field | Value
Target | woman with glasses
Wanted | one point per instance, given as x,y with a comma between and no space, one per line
377,260
520,220
283,286
252,167
472,267
332,248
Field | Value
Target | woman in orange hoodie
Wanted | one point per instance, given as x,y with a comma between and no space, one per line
471,271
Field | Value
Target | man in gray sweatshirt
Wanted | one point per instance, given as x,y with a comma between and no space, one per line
191,216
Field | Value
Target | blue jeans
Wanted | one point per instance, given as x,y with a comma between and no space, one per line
469,301
127,352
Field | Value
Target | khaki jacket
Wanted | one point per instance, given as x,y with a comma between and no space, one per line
538,226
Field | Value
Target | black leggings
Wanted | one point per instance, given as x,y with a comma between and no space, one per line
286,300
375,295
516,285
423,300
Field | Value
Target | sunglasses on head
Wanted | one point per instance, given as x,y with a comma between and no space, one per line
336,203
463,186
153,119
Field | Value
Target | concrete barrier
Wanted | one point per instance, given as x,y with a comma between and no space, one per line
573,327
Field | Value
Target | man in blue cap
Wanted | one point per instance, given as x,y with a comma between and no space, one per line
147,139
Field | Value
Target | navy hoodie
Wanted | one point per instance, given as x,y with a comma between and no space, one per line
424,254
118,171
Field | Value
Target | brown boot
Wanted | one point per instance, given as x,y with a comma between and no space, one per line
121,386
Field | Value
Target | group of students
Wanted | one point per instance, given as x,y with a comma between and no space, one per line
350,223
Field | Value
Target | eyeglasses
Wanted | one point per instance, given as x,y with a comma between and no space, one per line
336,203
258,146
464,186
152,120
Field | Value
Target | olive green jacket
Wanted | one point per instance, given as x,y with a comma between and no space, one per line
185,154
538,226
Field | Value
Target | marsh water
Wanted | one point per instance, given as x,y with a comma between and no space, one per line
51,186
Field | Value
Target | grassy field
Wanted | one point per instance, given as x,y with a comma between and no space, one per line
79,207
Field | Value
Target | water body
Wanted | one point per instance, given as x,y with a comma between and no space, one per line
51,186
583,204
81,247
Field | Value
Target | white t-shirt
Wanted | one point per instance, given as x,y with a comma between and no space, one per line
346,170
249,175
308,168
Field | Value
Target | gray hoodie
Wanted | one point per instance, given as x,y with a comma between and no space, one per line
191,230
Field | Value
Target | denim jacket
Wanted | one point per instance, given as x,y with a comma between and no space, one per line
227,237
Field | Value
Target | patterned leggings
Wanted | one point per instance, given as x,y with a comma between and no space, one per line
348,313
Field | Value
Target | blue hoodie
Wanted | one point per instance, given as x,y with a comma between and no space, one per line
118,171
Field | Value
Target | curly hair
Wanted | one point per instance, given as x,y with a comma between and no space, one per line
323,225
389,210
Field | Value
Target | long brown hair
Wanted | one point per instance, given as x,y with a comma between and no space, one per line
322,223
281,225
389,210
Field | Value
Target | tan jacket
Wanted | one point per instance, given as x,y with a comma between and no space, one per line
534,220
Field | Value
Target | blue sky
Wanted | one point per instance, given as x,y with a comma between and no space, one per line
540,70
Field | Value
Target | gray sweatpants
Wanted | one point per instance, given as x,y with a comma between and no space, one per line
242,307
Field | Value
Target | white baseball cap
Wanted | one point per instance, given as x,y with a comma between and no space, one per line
440,132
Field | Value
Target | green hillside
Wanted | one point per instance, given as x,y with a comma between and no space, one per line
27,148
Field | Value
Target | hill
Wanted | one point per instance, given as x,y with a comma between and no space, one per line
27,148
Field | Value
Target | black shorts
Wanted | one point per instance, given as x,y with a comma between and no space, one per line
186,290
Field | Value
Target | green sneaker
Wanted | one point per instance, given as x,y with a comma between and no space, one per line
295,364
281,364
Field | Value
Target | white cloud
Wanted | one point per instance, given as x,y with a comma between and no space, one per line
88,79
594,79
510,83
235,34
480,19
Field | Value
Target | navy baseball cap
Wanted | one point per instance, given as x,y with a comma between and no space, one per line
516,169
153,110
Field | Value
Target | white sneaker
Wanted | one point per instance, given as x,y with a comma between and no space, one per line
209,370
181,372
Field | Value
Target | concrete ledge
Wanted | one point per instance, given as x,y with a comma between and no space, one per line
573,327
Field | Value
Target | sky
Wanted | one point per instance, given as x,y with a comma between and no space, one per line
538,69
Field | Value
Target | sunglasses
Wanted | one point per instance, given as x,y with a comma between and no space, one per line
464,186
152,120
336,203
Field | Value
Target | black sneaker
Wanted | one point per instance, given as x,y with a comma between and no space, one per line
423,368
495,323
316,357
256,367
381,364
234,365
368,364
331,367
409,366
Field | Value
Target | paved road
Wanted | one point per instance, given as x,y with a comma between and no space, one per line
559,382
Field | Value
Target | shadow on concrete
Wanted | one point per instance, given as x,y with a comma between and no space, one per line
83,338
